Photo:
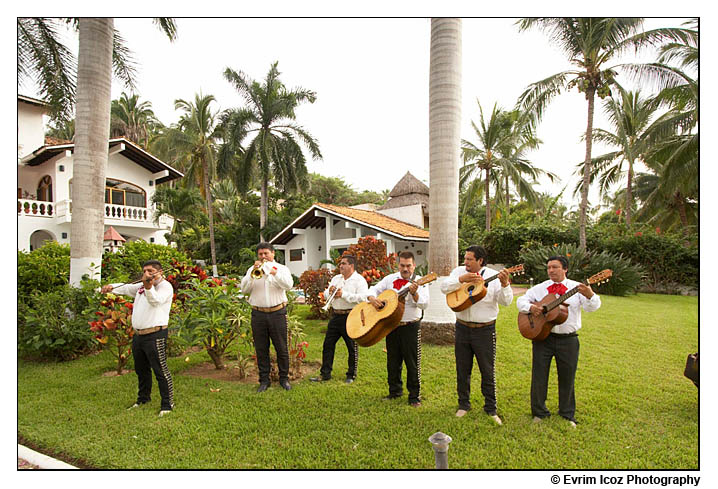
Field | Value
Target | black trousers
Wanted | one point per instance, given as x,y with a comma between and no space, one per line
403,345
565,350
150,354
337,328
479,343
272,326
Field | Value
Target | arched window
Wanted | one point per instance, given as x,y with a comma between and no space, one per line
44,189
123,193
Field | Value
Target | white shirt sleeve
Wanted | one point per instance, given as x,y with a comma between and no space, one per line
451,283
523,303
360,289
282,279
128,289
159,294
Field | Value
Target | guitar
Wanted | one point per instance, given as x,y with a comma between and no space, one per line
555,312
472,292
367,325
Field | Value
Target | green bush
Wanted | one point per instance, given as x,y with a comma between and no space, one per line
43,269
626,279
54,325
665,258
504,243
126,263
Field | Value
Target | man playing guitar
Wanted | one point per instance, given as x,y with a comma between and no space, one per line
476,328
403,345
561,343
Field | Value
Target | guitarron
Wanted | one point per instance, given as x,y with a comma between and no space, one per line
472,292
367,325
555,312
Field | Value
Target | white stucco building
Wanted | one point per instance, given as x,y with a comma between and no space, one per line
310,238
44,182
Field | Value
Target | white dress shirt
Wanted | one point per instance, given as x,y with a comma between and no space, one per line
152,306
574,303
487,309
412,309
270,290
353,291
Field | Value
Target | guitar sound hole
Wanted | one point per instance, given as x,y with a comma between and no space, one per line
382,305
471,289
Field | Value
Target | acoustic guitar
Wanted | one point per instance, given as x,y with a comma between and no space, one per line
472,292
367,325
555,312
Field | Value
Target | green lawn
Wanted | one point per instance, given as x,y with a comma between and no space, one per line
634,407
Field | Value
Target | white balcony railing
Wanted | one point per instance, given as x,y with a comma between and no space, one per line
127,213
26,207
63,209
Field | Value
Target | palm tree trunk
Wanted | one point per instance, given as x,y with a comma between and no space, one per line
629,194
488,204
590,95
92,129
444,151
508,200
264,207
210,214
681,205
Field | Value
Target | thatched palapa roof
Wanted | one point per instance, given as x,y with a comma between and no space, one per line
408,191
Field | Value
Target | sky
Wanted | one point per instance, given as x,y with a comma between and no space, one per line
372,84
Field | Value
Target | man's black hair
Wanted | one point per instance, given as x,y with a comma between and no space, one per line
562,259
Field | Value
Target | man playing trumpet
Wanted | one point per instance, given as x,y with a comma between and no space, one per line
266,283
150,314
345,291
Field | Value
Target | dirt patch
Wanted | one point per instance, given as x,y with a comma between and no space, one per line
231,372
115,374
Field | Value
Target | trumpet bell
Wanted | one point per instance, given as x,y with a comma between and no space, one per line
257,273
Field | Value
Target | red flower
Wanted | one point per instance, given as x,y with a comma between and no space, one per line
618,212
639,233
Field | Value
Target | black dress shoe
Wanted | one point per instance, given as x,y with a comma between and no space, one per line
285,385
390,397
318,379
262,387
349,380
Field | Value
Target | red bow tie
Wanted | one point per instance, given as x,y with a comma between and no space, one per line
559,289
399,283
142,290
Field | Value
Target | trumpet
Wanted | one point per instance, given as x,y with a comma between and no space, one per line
331,298
258,272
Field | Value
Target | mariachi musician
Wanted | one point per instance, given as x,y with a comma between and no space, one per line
266,283
404,343
346,290
476,328
561,343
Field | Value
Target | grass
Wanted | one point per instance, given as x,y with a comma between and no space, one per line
634,407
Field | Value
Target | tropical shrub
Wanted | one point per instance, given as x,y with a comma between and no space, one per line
43,269
53,325
213,317
113,328
314,283
180,276
372,261
126,263
626,279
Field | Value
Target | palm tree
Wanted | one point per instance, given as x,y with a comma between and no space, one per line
589,43
182,205
630,115
43,58
192,146
500,154
62,129
674,154
100,49
132,119
274,153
